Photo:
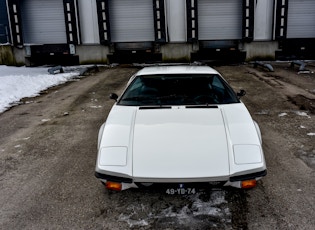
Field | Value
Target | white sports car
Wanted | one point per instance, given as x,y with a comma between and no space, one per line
179,126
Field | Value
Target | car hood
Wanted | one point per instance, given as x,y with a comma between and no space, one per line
180,142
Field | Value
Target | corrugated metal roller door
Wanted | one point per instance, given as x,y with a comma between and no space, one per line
131,21
219,20
43,21
301,19
4,23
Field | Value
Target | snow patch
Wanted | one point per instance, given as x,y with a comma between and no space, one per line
95,106
282,114
191,212
303,114
131,222
263,112
132,219
22,82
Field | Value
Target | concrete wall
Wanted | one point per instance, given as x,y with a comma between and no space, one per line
19,54
263,23
172,52
176,20
88,54
260,50
88,22
92,54
176,52
6,55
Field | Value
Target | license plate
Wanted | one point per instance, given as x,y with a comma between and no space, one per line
180,191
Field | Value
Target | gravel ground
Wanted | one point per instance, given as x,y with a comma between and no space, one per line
48,152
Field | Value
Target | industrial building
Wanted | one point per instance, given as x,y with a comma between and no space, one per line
105,31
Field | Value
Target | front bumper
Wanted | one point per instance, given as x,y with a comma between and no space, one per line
234,181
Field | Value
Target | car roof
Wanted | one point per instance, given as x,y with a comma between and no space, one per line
187,69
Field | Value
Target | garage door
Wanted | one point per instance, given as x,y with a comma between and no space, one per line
4,23
219,20
301,19
43,21
131,21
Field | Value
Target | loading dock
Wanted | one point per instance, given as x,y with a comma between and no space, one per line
48,32
219,27
295,29
135,27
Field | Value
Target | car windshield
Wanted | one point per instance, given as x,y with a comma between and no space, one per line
178,89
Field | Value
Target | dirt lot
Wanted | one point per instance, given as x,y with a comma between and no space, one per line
48,151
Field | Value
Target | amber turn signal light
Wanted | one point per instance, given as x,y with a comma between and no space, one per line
113,186
248,184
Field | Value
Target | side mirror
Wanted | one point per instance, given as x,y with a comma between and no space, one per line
113,96
241,93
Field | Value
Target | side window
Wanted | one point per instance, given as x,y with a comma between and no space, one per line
218,87
136,85
134,88
219,90
224,93
217,84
